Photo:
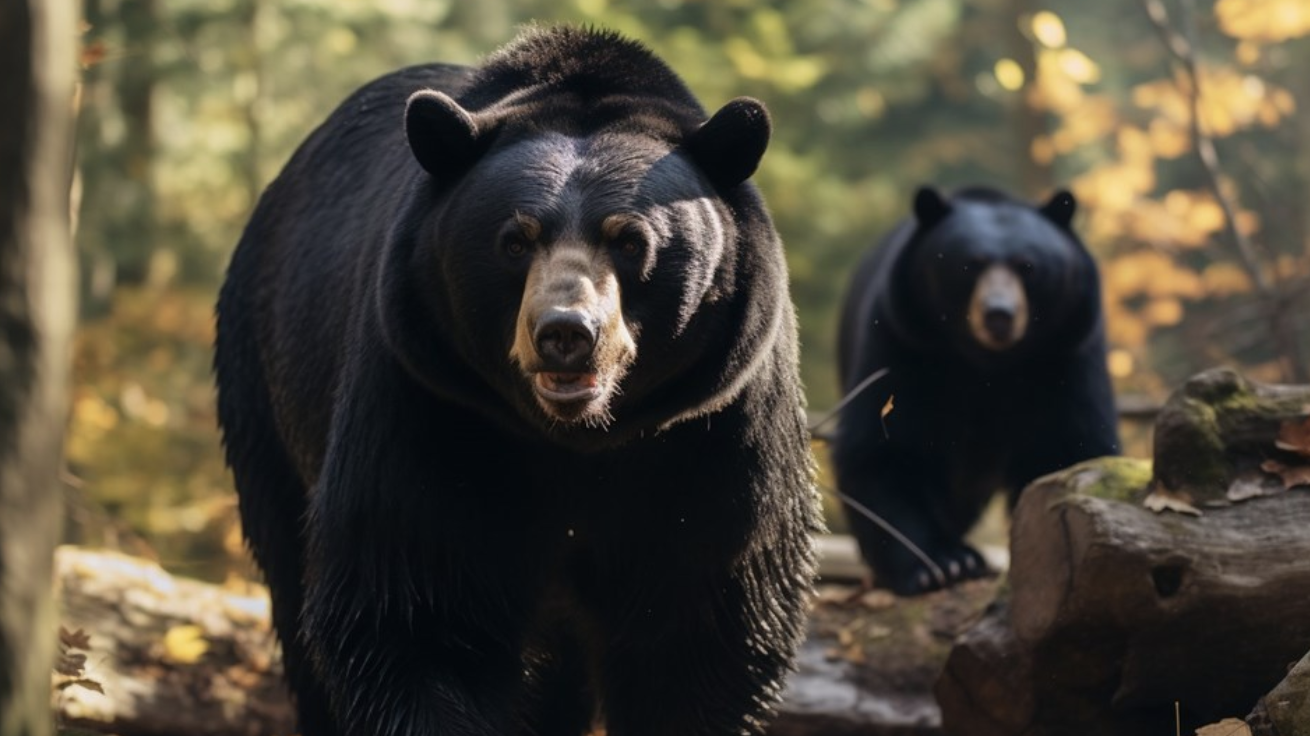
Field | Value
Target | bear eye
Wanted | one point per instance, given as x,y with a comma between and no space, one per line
630,247
514,246
518,235
629,244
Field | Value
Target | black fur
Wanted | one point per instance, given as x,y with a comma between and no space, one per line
966,421
445,557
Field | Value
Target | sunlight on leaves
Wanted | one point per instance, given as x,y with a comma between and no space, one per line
1008,74
1225,279
1120,363
1144,290
1230,101
1267,21
1078,66
1048,29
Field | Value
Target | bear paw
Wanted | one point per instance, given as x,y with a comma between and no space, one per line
956,563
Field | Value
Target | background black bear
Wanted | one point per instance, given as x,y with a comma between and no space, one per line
987,313
508,381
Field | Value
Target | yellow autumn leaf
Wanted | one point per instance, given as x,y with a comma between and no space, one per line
1225,279
1135,145
185,644
1268,21
1055,90
1078,66
1169,140
1120,363
1048,29
1163,312
1152,273
1008,74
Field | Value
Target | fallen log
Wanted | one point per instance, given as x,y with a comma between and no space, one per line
148,654
1117,614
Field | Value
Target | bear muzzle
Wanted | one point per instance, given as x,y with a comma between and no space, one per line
565,340
572,342
998,309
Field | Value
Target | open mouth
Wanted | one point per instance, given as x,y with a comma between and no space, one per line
566,387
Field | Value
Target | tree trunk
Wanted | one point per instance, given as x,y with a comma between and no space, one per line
36,317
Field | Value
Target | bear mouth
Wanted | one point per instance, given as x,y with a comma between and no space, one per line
566,388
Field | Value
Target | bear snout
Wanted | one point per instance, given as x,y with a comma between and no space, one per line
565,339
998,310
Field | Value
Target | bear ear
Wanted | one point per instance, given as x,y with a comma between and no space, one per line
729,145
929,207
1060,208
443,136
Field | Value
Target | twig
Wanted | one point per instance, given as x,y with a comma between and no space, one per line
1277,303
1183,48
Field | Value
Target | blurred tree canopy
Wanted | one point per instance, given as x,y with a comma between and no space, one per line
1175,122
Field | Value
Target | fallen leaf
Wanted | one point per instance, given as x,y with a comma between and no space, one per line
83,683
75,639
71,665
1253,485
1161,500
878,599
887,409
877,631
1291,475
185,644
1226,727
1294,436
836,595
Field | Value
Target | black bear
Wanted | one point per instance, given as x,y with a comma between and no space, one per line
507,375
986,313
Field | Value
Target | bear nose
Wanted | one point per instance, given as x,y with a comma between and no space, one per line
999,323
565,339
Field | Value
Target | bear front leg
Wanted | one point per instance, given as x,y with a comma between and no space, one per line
393,665
703,661
919,506
412,615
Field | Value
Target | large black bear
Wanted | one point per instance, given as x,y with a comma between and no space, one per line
986,311
507,374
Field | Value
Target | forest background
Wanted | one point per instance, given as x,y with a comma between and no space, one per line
1178,125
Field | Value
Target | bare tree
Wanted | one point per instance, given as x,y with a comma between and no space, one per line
37,70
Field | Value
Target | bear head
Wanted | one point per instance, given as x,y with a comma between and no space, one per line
995,278
581,244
